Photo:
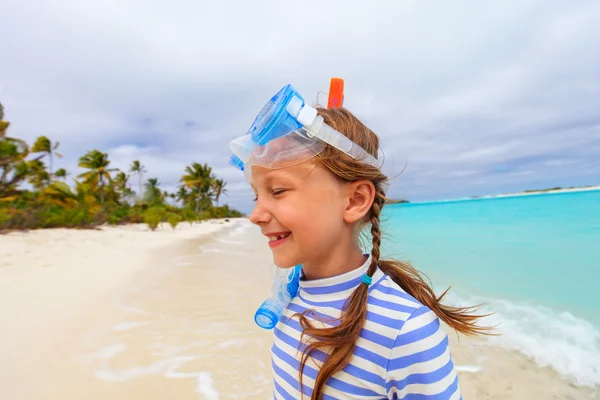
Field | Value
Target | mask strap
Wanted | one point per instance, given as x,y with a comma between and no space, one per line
329,135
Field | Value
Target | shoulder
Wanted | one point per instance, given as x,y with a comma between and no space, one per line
387,298
411,326
419,361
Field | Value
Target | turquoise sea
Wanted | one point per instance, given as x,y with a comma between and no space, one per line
534,260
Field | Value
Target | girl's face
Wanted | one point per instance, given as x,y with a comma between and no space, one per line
301,211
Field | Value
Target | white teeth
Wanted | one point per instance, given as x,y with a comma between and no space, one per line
278,237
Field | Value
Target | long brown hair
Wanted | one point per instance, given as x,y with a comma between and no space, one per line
340,340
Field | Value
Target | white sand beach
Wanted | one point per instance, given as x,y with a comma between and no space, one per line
126,313
537,192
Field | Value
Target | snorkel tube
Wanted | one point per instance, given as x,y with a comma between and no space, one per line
284,288
336,93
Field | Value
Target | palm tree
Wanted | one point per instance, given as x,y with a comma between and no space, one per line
60,193
137,168
121,180
13,167
199,178
38,176
153,194
61,173
44,145
219,189
97,163
182,195
121,188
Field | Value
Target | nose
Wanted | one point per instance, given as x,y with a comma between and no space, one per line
260,215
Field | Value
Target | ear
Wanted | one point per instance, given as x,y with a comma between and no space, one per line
360,197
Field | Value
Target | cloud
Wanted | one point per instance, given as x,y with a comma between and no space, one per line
469,98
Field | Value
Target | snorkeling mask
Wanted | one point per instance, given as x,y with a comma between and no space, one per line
286,132
284,289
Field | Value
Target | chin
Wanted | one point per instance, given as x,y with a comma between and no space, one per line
285,262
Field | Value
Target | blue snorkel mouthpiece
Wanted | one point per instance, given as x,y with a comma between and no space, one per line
284,289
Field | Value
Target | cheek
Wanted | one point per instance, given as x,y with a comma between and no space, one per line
315,218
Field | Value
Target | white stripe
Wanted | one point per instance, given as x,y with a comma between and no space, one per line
293,373
432,388
329,311
420,368
376,348
393,314
356,361
456,395
418,322
333,296
392,298
419,346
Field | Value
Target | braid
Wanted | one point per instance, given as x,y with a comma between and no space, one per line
378,204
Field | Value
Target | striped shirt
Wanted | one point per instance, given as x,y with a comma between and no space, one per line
402,352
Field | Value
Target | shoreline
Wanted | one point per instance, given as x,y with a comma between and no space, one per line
126,313
58,285
538,192
502,196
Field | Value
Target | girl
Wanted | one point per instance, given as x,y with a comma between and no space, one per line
359,327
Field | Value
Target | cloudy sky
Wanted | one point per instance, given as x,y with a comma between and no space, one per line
468,97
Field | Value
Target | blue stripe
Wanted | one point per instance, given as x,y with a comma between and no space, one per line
385,321
374,337
422,356
370,356
317,354
378,283
358,351
320,316
282,392
350,389
392,306
366,334
290,380
294,363
312,373
397,293
419,311
280,389
446,394
418,334
338,287
365,375
423,378
337,304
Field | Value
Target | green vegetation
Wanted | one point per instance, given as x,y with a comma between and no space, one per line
543,190
100,194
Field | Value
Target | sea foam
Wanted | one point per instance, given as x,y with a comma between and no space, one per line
568,344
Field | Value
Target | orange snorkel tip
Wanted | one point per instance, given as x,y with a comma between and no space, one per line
336,93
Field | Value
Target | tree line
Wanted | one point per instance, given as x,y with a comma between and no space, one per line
34,195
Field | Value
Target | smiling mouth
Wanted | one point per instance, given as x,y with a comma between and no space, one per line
277,240
279,237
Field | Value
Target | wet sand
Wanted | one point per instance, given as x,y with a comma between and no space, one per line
124,313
